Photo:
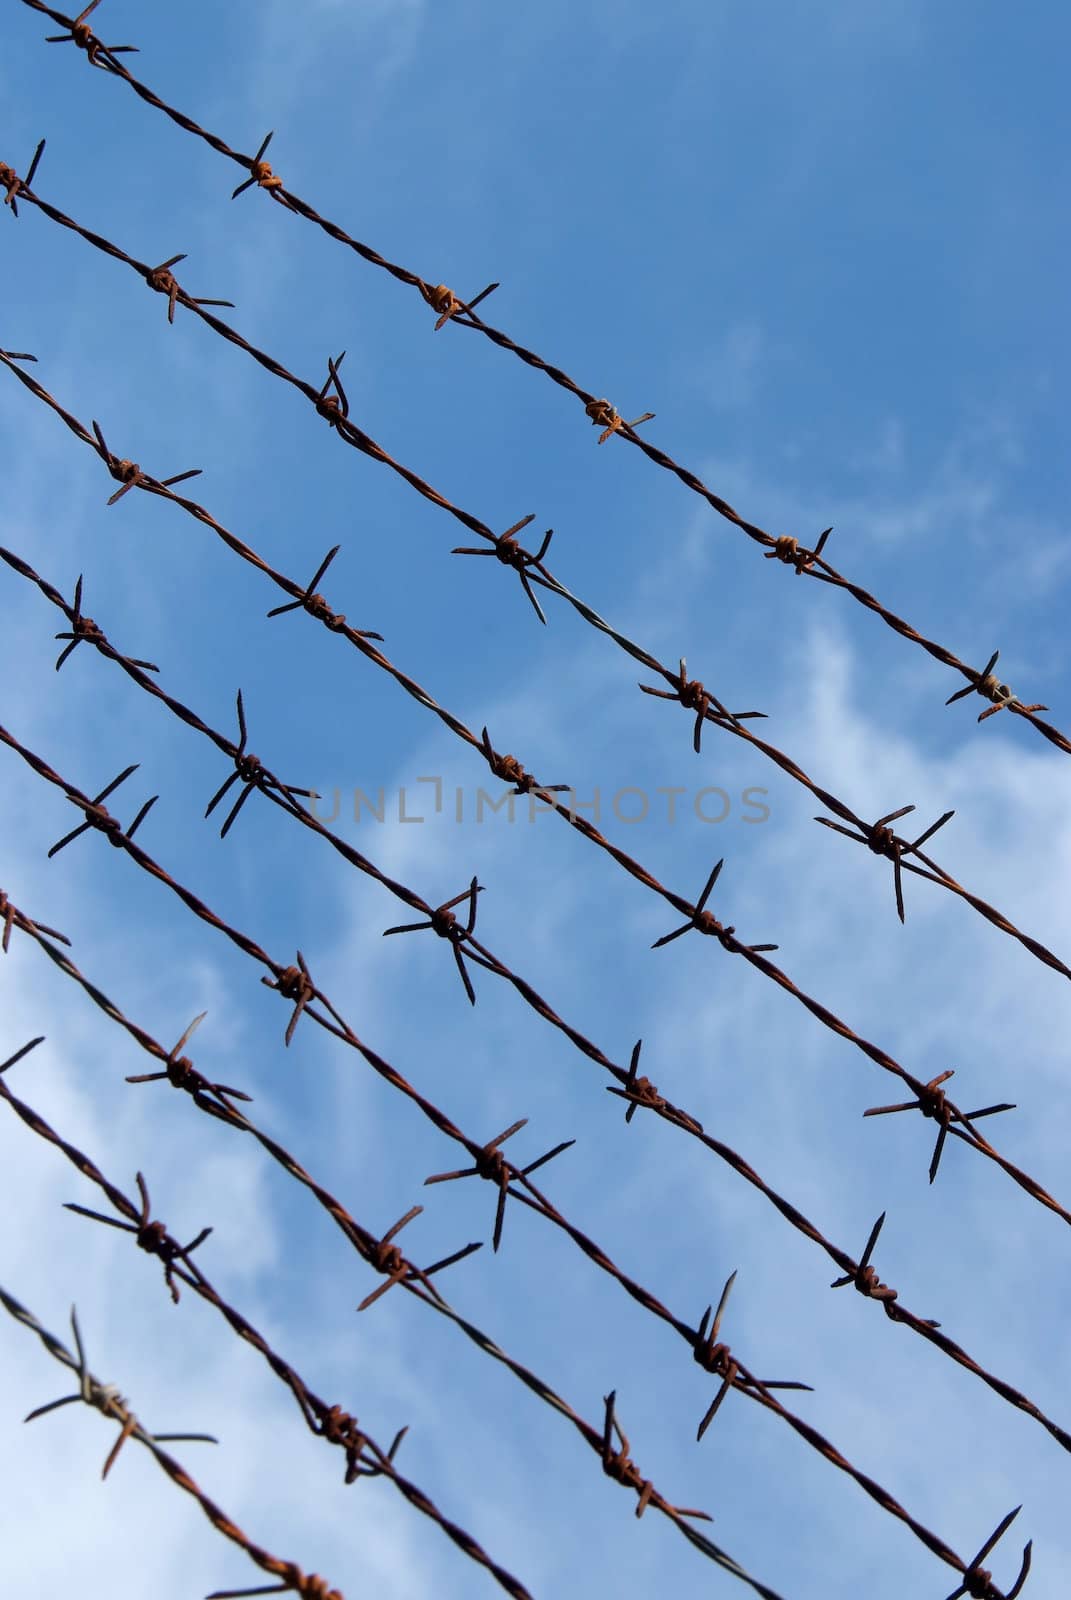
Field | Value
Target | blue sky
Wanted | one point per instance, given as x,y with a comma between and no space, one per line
824,249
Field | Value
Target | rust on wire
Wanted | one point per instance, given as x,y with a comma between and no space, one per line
13,185
987,685
128,473
151,1236
881,839
365,444
249,772
163,280
508,551
600,411
446,304
106,1399
604,416
697,916
932,1103
444,922
81,34
491,1164
260,172
98,816
752,1387
386,1256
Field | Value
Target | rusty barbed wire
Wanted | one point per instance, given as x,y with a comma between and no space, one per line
441,919
692,694
784,548
712,1356
158,1241
106,1399
489,1162
636,1090
696,915
1005,698
617,1464
364,1458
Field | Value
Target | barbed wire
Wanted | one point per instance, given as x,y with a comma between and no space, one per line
930,1099
488,1162
714,1356
153,1237
248,772
450,308
638,1092
693,695
106,1399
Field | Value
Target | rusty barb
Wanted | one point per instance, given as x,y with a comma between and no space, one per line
491,1164
84,630
706,922
14,185
510,553
128,473
294,983
334,407
151,1236
986,684
12,917
181,1073
317,606
791,552
249,772
693,697
718,1359
932,1103
446,925
97,816
83,36
881,839
618,1464
339,1428
977,1582
637,1091
387,1258
865,1277
603,415
447,304
103,1397
260,172
163,281
106,1399
509,769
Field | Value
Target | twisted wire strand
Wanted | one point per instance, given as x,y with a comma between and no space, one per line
103,1398
695,915
275,791
754,1388
311,1406
534,571
807,563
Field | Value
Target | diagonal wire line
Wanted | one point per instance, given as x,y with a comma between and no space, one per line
294,982
364,1457
711,1356
617,1464
644,1095
810,563
106,1399
880,840
638,1091
930,1101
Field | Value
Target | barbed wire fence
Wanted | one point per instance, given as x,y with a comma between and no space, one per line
455,921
